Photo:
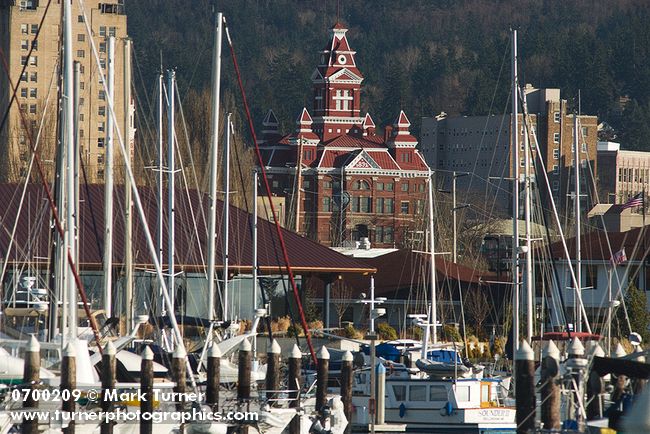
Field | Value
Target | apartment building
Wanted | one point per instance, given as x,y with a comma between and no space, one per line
481,147
21,31
622,173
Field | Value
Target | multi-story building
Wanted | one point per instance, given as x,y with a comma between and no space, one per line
622,174
20,32
344,182
481,147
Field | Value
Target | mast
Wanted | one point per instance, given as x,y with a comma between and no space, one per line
515,195
77,154
576,166
212,231
432,270
161,168
298,182
108,186
528,249
254,259
171,78
128,200
226,216
70,306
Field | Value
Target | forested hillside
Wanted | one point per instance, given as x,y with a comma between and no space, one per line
421,56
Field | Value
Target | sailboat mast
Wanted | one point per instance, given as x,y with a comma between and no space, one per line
515,194
68,146
432,268
161,166
108,186
171,162
576,172
226,216
128,200
529,253
212,230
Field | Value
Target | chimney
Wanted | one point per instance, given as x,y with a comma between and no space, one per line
388,131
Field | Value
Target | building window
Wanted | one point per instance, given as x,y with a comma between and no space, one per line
327,185
80,18
100,173
388,186
584,148
23,92
101,110
35,45
584,131
100,158
583,164
591,276
102,47
33,61
404,207
34,29
556,154
421,188
81,117
102,63
405,186
419,206
556,185
82,68
82,85
101,126
102,95
81,53
327,204
33,77
23,76
81,101
23,60
360,185
33,92
32,109
556,117
379,186
102,31
556,137
24,29
556,169
112,31
24,44
364,204
388,234
100,144
81,37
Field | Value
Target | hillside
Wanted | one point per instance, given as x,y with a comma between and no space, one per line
421,56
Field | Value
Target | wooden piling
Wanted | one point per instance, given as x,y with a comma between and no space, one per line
31,379
244,372
294,384
525,388
346,385
68,384
576,363
595,389
179,372
146,385
273,372
108,384
381,394
214,377
322,379
550,388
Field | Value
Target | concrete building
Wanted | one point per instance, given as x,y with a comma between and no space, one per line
343,182
37,85
622,173
480,146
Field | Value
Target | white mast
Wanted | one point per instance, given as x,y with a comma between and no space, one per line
515,195
108,186
528,250
161,168
226,215
433,320
576,166
212,230
68,146
254,261
128,200
77,156
171,78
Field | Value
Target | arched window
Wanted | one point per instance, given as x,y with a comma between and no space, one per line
361,185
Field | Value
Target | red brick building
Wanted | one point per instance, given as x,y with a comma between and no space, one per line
350,183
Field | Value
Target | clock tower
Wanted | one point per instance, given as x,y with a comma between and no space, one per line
336,88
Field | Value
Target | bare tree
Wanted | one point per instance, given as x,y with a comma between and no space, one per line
477,308
342,293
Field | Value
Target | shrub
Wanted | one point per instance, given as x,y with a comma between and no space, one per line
351,333
386,332
451,333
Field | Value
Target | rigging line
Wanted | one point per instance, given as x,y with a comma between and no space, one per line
55,213
268,192
29,171
22,71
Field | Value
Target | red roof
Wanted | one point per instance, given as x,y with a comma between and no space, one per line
351,141
384,159
335,158
368,122
418,163
304,118
402,120
594,245
33,233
